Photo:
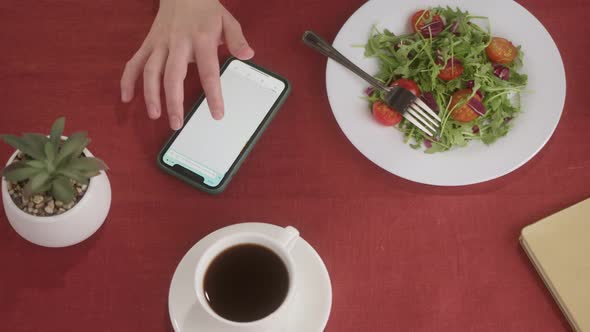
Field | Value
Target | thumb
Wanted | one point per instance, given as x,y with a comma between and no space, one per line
234,38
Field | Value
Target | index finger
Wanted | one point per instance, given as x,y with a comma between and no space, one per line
208,65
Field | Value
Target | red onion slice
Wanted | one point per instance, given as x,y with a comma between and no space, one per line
502,72
428,99
427,144
369,91
475,129
432,29
477,106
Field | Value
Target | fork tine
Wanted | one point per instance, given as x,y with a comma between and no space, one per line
424,116
420,117
417,123
425,107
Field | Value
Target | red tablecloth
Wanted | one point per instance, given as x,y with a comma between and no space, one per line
402,256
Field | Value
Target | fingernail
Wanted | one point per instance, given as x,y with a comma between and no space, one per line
217,115
249,52
125,96
153,111
176,122
243,52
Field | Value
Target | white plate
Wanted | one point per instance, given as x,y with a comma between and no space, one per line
310,308
477,162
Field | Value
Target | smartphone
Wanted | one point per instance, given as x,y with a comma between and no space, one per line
205,152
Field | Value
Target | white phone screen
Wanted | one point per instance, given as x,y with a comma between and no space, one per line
209,147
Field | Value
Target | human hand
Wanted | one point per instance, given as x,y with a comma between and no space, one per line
183,31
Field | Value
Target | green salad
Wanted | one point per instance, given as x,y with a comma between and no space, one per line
459,69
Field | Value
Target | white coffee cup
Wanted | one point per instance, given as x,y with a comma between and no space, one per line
281,245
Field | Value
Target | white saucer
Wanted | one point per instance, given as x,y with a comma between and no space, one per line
308,312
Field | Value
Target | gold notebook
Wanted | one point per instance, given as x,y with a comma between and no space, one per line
559,247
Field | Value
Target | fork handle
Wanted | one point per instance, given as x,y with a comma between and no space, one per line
316,42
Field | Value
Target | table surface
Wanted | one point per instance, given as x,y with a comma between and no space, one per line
402,256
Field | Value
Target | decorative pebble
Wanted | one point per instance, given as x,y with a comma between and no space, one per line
59,203
84,186
38,206
38,199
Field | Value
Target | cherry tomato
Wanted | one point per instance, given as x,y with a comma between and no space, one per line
452,70
501,50
422,18
408,85
463,113
385,115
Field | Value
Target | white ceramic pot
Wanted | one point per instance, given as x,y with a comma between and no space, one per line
68,228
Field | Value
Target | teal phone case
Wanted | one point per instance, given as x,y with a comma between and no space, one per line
244,153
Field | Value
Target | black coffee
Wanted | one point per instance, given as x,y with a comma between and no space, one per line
246,282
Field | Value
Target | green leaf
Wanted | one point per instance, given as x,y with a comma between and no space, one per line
36,163
37,141
436,148
13,166
75,175
45,187
38,184
22,145
82,147
57,130
39,181
27,191
71,147
62,189
19,171
50,152
87,164
90,174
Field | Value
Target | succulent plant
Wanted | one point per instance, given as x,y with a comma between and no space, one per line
52,164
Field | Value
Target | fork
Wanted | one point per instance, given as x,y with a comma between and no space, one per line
411,107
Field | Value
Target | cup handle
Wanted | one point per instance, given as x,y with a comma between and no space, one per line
288,237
